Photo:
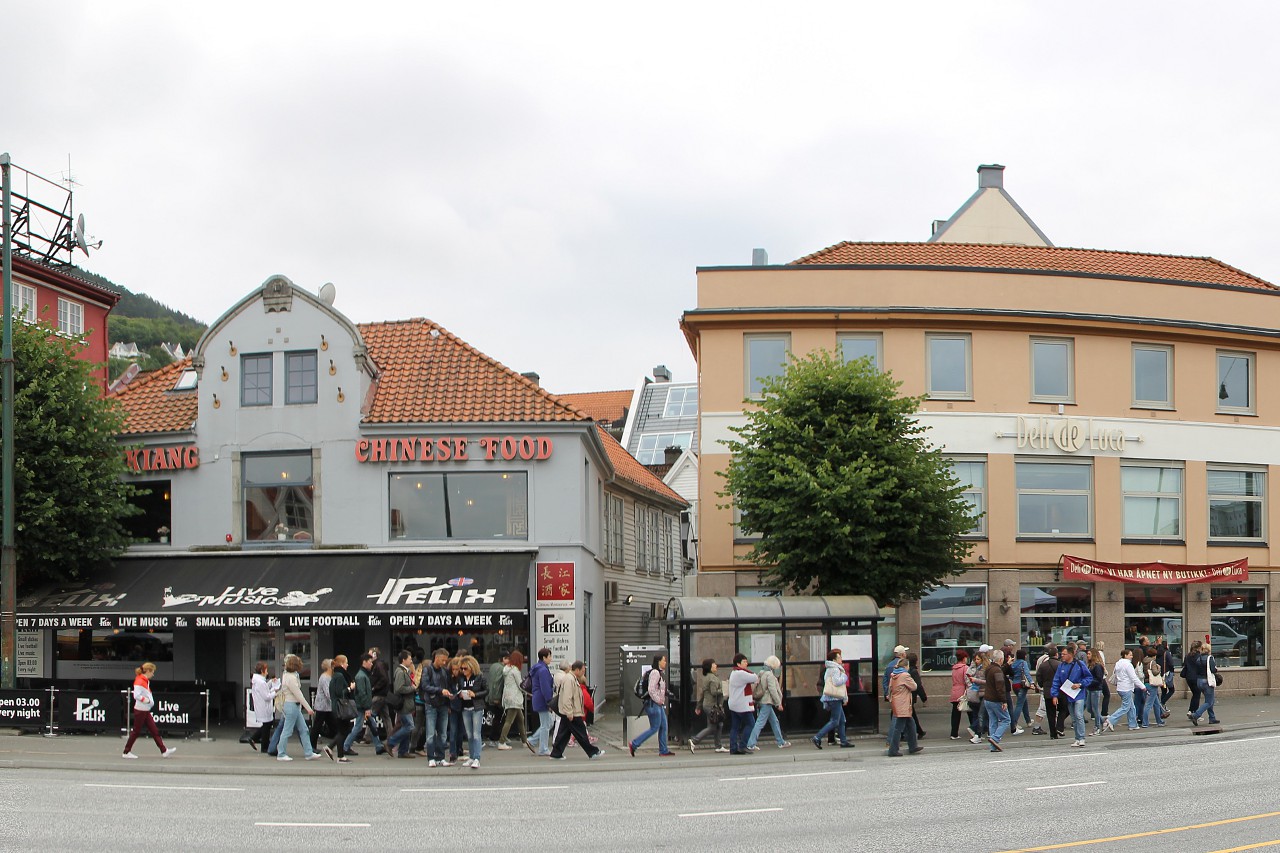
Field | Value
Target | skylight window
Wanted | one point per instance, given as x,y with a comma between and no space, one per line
187,381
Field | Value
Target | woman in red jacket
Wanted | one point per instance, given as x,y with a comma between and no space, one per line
143,702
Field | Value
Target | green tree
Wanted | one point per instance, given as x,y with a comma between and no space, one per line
68,473
835,475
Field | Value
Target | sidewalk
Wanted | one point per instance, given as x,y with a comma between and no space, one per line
225,755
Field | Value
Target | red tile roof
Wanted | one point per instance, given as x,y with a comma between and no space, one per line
151,405
1037,258
428,375
601,406
628,468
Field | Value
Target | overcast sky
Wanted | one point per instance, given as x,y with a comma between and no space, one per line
543,178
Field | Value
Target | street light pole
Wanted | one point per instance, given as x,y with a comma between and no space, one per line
8,556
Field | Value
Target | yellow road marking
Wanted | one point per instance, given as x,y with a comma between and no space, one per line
1067,844
1249,846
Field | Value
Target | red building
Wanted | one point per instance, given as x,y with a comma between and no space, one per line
51,293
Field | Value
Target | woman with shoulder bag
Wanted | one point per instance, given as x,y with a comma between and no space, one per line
1155,684
710,705
1021,683
344,709
1094,692
959,686
835,695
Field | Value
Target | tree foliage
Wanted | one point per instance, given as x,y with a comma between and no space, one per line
71,498
835,475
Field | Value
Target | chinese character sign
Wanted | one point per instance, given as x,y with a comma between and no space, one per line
555,585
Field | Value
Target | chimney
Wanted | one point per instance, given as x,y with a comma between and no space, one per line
991,175
532,377
661,374
671,454
937,225
759,258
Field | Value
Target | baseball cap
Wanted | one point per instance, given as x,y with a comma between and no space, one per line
900,650
985,648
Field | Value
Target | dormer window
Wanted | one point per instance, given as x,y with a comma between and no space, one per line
186,380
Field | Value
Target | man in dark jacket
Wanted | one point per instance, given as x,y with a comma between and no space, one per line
995,696
543,685
435,700
364,707
1045,668
379,684
401,695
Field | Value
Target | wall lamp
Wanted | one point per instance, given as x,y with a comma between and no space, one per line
627,601
1004,604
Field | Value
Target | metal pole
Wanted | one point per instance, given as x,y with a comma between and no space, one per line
8,556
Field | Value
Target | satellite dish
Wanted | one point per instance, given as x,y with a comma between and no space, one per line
328,292
78,241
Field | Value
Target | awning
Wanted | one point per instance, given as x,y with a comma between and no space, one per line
305,590
769,609
1078,569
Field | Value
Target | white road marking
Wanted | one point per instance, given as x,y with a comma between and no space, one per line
328,825
1069,785
736,811
1049,757
477,788
159,787
790,775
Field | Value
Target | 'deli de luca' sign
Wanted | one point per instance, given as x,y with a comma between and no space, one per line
1070,435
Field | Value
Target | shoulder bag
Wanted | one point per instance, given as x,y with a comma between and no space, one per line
345,709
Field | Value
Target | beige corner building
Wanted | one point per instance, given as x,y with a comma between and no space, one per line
1116,407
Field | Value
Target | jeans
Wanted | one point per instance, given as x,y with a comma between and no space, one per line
294,721
767,715
473,720
1206,689
897,728
1155,706
1094,701
1125,710
998,719
657,725
542,737
457,731
360,722
740,729
1020,708
835,708
1077,717
437,731
1139,706
400,737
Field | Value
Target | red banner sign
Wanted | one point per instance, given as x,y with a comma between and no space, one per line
1077,569
555,585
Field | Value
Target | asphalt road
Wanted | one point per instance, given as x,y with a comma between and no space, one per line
1210,794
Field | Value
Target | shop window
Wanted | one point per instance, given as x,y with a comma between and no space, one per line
1054,499
1238,626
1235,382
613,553
155,524
861,346
1152,376
1052,373
766,357
1056,614
951,617
24,303
70,318
279,498
255,380
948,368
972,474
106,644
653,446
681,402
1151,611
1152,501
300,377
1237,504
887,635
489,505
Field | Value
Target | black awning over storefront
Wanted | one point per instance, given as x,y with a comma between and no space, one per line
313,590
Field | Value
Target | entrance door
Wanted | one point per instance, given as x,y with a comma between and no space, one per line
272,645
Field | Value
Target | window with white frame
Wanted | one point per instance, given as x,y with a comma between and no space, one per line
1237,504
652,449
613,553
1235,381
1152,501
70,317
668,545
655,546
766,357
1054,498
681,402
24,303
972,474
948,367
642,541
1052,370
1153,376
861,345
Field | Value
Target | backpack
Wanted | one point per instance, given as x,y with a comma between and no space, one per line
641,688
526,684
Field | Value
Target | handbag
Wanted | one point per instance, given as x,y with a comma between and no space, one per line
1157,681
345,709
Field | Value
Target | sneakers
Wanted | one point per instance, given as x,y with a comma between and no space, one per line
328,753
128,755
665,754
726,749
474,763
975,739
816,742
313,756
972,734
557,757
1036,730
846,745
1017,731
753,749
599,753
1077,743
444,762
955,737
916,751
168,753
691,748
1106,725
283,758
431,762
632,746
504,746
1191,716
786,744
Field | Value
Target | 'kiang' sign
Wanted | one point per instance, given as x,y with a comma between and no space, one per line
1076,569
